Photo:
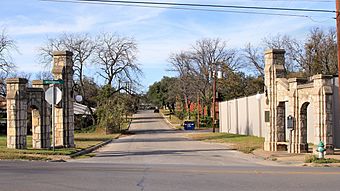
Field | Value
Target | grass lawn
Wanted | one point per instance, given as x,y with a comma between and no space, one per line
82,141
242,143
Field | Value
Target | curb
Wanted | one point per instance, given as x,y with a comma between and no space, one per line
168,122
90,149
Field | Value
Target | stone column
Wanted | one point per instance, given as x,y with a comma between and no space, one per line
274,60
64,112
42,135
16,113
324,111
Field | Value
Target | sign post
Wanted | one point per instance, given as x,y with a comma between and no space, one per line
290,126
53,96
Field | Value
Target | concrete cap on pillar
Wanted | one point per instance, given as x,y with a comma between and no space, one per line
16,81
62,53
275,51
38,82
298,80
321,76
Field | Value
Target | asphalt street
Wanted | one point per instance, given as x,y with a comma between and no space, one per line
156,158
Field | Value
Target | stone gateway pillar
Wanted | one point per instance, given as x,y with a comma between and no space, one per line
41,118
274,69
64,115
16,113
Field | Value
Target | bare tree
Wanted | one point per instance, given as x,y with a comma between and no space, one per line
254,56
44,75
116,57
182,64
3,77
316,55
45,54
321,52
6,46
82,47
208,55
293,48
196,66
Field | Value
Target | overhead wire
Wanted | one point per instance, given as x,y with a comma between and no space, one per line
201,5
191,9
292,1
119,3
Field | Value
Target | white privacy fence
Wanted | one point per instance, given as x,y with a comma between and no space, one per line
245,116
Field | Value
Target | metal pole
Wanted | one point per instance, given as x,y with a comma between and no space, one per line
290,141
53,114
214,100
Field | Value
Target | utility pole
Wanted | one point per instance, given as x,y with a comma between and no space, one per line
214,99
338,38
198,111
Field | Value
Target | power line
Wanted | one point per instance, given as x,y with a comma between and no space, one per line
294,1
201,5
192,9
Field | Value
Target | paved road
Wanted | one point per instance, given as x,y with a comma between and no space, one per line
155,142
157,158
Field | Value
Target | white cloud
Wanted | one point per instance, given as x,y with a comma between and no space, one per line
78,24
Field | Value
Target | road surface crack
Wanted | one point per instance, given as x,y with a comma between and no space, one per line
142,181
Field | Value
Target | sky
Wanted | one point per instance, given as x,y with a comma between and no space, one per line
158,32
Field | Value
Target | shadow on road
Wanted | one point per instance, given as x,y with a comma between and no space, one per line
143,118
141,140
157,152
144,121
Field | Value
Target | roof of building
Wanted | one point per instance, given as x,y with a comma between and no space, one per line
80,109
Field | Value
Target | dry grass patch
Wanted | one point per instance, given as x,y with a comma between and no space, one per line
173,119
82,141
85,140
242,143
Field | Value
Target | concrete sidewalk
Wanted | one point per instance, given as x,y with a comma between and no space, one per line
294,159
282,157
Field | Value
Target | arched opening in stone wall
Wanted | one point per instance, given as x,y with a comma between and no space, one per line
281,122
304,126
33,125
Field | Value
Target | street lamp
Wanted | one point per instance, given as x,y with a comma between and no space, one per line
214,76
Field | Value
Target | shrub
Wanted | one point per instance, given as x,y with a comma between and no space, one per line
314,159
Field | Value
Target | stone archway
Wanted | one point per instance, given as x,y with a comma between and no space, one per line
304,127
280,123
36,126
298,93
20,97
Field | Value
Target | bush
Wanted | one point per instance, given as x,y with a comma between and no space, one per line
180,114
314,159
206,121
89,129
